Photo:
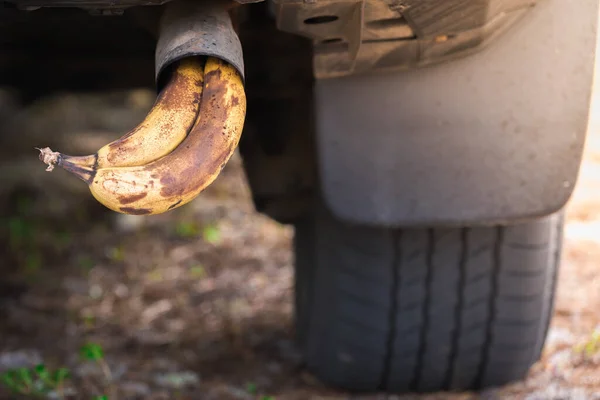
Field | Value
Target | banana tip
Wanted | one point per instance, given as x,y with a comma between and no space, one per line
49,157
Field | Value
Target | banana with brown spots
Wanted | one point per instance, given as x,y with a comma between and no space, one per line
177,178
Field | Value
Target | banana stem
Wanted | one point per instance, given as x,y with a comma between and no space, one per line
76,167
49,157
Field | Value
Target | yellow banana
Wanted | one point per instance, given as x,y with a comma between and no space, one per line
165,126
179,176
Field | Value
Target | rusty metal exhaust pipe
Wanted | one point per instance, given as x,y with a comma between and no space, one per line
197,28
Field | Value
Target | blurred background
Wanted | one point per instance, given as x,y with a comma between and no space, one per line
197,303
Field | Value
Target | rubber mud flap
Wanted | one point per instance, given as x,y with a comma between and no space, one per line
493,137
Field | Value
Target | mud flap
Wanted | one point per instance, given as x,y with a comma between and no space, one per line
496,136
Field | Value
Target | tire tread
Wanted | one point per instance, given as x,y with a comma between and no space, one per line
428,309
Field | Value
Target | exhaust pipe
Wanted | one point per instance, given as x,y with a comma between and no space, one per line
197,28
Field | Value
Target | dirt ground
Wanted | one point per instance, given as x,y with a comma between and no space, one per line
197,303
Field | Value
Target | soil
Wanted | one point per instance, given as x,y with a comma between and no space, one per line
197,303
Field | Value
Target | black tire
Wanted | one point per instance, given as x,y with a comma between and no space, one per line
424,310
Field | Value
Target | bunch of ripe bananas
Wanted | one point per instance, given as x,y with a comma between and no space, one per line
176,152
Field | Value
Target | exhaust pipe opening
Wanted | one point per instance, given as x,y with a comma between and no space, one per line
196,28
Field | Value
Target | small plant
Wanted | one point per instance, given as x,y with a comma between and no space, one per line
93,352
116,253
43,382
251,388
211,234
38,381
88,319
20,232
590,347
187,229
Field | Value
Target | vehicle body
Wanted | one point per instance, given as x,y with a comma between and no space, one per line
423,149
